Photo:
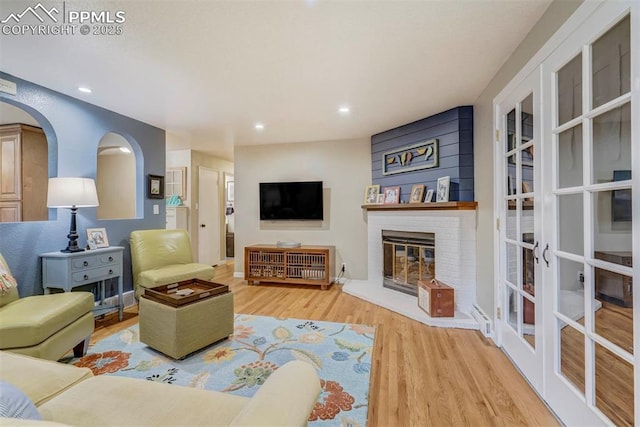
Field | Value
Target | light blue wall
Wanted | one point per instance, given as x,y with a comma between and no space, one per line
74,129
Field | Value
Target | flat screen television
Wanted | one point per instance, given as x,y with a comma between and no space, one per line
621,199
291,201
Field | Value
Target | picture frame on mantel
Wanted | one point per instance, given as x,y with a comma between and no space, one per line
391,195
442,191
371,194
429,197
417,191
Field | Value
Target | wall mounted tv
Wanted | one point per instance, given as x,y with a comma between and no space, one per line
291,201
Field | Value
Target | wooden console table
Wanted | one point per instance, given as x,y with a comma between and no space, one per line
308,265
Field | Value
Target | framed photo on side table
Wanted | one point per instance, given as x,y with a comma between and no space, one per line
417,191
442,193
371,194
391,195
97,238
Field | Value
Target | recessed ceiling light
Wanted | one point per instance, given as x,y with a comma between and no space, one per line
344,110
84,89
259,126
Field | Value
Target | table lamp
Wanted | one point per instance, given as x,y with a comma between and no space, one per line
72,193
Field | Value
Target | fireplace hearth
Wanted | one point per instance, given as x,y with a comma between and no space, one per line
407,258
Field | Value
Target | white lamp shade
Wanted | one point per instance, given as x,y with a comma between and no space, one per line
71,192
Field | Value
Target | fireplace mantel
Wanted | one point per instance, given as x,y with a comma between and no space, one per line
456,206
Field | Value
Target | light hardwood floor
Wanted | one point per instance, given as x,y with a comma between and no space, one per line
421,375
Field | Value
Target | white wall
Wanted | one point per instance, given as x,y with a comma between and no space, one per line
557,13
345,169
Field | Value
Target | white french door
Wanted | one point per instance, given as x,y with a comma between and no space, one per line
569,240
519,129
589,309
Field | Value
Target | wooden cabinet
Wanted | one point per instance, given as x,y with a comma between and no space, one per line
23,173
309,265
613,287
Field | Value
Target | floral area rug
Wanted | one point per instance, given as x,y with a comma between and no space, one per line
340,352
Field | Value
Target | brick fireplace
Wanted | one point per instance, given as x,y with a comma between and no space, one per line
452,227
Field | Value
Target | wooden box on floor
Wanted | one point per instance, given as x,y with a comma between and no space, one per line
435,298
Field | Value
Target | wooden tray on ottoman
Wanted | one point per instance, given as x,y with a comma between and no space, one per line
202,289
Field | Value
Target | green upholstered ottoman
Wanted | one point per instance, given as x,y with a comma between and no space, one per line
178,331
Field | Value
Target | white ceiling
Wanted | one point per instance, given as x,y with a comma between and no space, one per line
207,71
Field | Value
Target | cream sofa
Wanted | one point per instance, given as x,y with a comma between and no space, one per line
70,395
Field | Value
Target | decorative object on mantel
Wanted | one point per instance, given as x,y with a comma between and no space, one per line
417,191
380,200
73,193
391,195
414,157
442,194
429,197
371,194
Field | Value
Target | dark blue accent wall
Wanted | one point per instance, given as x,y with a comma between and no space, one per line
74,129
454,131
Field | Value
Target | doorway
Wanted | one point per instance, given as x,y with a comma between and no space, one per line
208,216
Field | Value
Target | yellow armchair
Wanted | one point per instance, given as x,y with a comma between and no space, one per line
45,326
161,257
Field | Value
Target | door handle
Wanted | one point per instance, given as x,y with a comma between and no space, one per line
544,254
535,252
203,225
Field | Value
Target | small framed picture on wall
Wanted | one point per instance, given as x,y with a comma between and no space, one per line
155,187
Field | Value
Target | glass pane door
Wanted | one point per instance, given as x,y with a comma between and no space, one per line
519,228
592,361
